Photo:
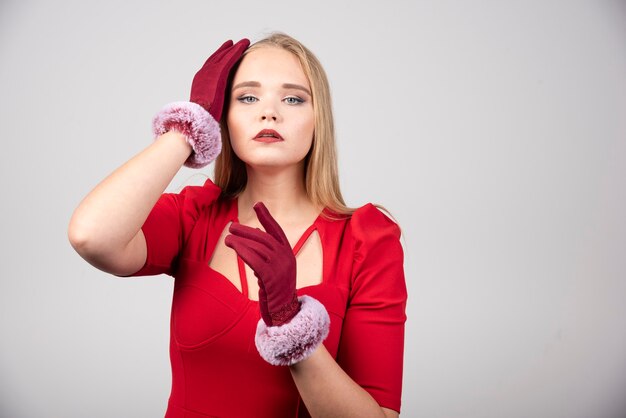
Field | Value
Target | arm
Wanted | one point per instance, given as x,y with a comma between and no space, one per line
329,392
368,372
105,228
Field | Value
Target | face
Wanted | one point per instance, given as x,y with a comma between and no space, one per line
270,116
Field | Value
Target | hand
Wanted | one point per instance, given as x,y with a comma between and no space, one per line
270,255
198,120
209,84
290,328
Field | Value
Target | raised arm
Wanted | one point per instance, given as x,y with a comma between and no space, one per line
105,228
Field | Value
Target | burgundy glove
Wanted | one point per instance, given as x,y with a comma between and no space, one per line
208,88
290,328
270,255
199,119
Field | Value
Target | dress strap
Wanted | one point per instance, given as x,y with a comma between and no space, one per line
242,276
303,238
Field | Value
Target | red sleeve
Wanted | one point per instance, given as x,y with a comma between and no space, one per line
372,339
169,223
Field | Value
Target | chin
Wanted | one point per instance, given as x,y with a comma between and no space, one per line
272,159
273,163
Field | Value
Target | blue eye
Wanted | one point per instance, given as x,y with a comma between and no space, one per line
247,99
293,100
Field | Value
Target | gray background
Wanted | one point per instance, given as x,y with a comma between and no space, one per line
494,131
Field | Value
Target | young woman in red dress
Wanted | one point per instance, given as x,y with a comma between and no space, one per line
286,303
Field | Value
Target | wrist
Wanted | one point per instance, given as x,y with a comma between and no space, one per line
197,127
297,339
177,139
171,148
310,361
283,315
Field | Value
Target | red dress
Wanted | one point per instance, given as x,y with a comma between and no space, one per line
216,369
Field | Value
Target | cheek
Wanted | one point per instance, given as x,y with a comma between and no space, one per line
304,121
235,132
306,138
309,129
236,123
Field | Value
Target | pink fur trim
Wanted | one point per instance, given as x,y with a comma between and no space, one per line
200,129
294,341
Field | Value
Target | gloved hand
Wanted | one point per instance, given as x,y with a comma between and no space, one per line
270,255
290,328
208,88
199,119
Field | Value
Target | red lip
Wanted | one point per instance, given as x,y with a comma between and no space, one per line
268,135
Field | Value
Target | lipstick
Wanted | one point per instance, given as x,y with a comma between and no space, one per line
268,136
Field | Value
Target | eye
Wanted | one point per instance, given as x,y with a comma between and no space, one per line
293,100
247,99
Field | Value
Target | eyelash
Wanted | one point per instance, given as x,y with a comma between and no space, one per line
296,98
244,99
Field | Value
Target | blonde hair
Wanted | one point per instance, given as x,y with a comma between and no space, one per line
321,173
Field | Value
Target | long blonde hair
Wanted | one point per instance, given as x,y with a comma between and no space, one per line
321,173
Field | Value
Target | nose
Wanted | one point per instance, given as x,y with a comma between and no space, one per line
269,113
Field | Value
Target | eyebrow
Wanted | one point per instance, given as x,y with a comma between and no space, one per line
285,85
297,87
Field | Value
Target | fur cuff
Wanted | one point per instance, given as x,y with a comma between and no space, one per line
200,129
294,341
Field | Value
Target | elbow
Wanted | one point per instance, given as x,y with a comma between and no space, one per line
88,247
84,240
77,236
81,240
99,250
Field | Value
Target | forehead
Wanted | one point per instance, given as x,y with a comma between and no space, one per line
270,65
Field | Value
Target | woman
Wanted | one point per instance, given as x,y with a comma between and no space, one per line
321,330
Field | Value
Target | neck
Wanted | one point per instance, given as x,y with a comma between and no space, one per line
282,191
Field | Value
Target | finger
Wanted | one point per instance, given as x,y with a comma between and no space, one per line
235,51
269,223
242,245
251,252
217,55
253,234
225,46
